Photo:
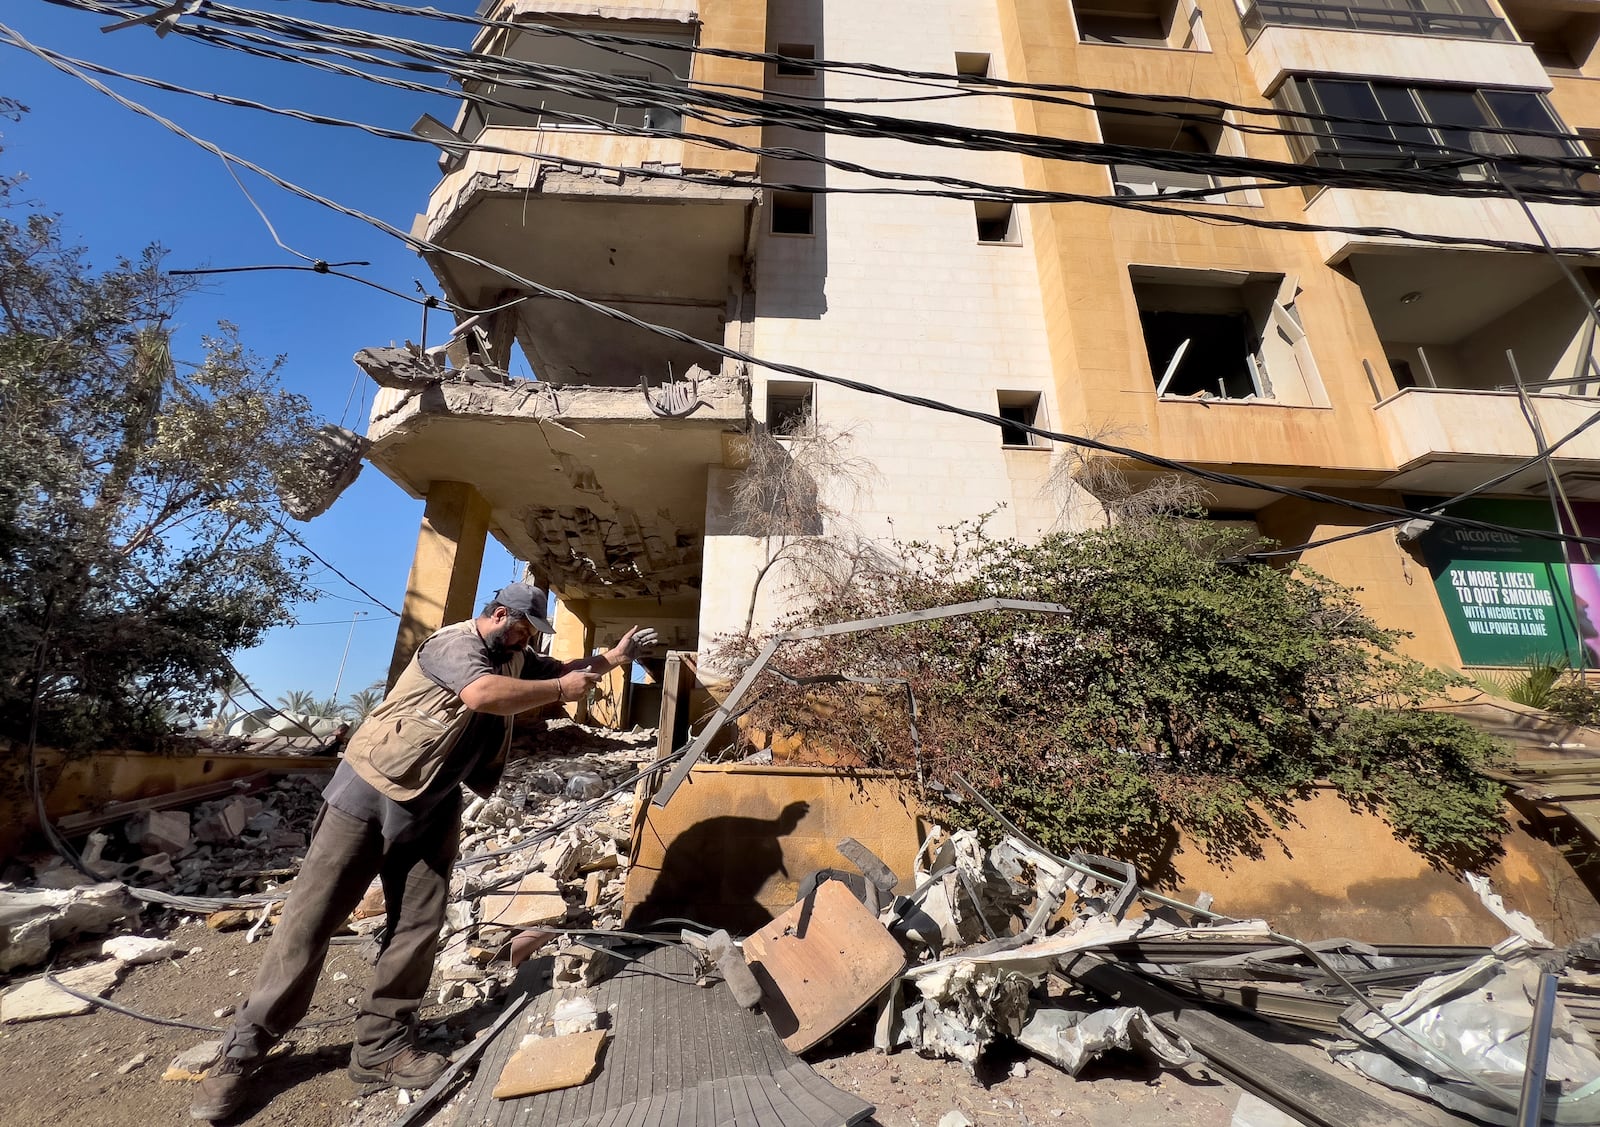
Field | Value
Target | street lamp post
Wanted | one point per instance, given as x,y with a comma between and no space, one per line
348,639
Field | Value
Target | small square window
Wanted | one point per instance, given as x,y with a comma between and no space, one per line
971,67
791,408
791,213
792,66
1019,409
997,222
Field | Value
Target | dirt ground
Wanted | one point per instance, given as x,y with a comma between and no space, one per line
66,1072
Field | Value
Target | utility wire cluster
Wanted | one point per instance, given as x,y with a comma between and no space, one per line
312,40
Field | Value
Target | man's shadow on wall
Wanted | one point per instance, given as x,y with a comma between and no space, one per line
712,871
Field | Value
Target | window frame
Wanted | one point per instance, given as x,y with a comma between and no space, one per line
1386,147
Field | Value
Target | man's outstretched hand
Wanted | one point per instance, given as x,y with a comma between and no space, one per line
633,643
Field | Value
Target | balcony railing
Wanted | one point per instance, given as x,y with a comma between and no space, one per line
1459,19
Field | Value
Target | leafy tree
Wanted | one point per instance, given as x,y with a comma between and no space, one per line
140,540
1180,689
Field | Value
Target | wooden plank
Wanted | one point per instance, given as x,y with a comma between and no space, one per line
821,963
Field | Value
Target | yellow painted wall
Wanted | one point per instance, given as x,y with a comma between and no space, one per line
738,25
1084,250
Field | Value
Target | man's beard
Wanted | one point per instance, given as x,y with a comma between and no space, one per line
499,652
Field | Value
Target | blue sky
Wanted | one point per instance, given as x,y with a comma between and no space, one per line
121,181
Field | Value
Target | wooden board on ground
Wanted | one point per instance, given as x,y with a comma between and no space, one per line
550,1064
537,900
821,963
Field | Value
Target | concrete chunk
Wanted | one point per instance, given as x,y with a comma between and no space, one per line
32,919
160,831
136,949
191,1064
40,998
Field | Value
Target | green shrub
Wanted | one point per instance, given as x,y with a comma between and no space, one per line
1181,689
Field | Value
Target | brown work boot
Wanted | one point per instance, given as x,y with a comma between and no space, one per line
409,1068
222,1091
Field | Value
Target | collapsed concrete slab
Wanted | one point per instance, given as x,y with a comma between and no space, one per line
33,919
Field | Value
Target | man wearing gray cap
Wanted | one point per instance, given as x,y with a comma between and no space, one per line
393,811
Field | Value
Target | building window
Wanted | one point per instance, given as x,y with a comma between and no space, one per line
971,67
792,64
1019,409
997,222
1454,19
792,213
791,408
1223,334
1175,127
1423,128
1141,23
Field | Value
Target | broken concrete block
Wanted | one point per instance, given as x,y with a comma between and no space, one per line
549,1064
40,998
372,904
223,825
136,950
584,785
32,919
156,865
160,831
57,874
138,1060
286,839
191,1064
264,822
537,900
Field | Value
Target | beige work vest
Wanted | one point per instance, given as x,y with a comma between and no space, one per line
403,742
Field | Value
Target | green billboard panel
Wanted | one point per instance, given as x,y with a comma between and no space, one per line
1507,598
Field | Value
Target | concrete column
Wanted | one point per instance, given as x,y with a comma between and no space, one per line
445,569
574,639
502,330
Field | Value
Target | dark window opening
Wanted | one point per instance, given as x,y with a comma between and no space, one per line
792,66
792,213
1172,127
791,409
1137,23
971,67
1195,353
1019,409
996,222
1562,40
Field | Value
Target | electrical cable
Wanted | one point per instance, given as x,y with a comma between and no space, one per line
153,1019
467,67
990,86
314,554
964,138
962,189
1158,461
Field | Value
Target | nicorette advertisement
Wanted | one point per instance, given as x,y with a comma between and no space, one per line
1510,598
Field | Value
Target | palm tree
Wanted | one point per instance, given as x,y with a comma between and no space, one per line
300,701
363,702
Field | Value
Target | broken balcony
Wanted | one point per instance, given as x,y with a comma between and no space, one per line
602,490
618,199
1459,331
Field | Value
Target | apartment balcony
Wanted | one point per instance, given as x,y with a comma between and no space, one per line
1459,331
1447,440
596,191
1448,41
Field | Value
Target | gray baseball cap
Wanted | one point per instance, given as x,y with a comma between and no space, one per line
528,601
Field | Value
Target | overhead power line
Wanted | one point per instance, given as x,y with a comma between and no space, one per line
1214,477
978,191
695,101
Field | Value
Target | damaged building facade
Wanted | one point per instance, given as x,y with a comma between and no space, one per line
1365,365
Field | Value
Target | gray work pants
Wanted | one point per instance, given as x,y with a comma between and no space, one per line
346,852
